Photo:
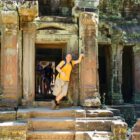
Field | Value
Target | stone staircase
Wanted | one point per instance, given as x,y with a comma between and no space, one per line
72,123
68,124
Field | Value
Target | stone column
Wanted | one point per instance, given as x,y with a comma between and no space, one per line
136,73
89,95
10,69
28,63
116,82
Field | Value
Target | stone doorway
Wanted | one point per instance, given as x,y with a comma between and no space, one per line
127,74
104,57
46,54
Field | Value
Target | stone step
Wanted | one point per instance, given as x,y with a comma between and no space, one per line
12,130
46,112
42,103
99,135
99,113
100,118
96,124
51,135
69,135
60,124
13,125
66,112
7,115
49,104
92,125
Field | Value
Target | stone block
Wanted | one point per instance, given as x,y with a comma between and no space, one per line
119,130
13,131
51,135
9,17
7,115
92,125
23,114
99,135
80,113
56,124
92,102
99,113
135,136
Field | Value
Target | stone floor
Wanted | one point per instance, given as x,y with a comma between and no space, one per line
70,123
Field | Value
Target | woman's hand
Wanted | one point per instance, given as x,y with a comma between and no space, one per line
63,74
82,55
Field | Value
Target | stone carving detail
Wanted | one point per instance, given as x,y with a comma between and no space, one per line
25,10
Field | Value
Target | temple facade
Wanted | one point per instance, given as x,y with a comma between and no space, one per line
107,32
36,33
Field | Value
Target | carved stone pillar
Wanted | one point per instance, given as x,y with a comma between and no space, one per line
89,95
28,11
116,83
10,67
28,63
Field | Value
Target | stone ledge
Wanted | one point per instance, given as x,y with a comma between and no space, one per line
99,113
13,126
63,124
10,130
92,125
51,135
7,115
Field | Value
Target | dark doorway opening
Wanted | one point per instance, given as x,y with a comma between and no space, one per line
44,74
104,72
127,74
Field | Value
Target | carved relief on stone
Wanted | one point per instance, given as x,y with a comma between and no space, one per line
9,17
10,71
9,60
89,31
88,19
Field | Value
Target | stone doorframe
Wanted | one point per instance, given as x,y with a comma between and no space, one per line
61,33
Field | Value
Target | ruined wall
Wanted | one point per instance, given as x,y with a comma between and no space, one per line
118,28
136,73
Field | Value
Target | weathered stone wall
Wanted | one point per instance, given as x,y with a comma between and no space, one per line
136,73
116,27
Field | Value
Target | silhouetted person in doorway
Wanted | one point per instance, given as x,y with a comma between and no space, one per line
39,77
48,71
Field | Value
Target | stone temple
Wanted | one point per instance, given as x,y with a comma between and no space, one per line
104,88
